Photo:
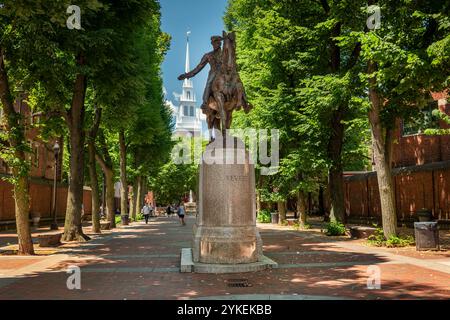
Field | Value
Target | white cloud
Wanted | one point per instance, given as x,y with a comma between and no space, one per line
177,96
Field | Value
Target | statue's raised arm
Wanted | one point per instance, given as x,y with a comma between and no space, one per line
196,70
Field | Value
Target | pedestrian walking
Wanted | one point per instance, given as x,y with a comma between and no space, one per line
180,212
169,210
146,212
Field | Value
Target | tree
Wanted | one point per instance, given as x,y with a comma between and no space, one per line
63,62
301,81
105,161
173,181
405,59
15,155
92,164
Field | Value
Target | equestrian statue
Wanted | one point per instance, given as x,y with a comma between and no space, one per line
224,91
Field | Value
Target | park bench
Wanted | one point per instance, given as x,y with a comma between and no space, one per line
105,225
361,232
49,239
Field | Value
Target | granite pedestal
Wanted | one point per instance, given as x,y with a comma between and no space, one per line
225,238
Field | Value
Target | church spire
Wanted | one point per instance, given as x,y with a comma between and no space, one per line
187,68
187,82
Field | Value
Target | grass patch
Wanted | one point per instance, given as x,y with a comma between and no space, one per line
379,240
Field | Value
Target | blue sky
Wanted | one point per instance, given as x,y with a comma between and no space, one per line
204,19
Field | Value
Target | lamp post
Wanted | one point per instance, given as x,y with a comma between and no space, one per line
54,225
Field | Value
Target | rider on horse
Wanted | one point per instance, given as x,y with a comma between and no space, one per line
214,58
224,91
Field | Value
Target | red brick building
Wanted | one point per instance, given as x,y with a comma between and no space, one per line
421,172
42,160
42,157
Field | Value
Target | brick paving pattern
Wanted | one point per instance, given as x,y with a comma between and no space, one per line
142,262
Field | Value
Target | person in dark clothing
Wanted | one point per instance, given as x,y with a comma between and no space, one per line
169,210
180,212
146,212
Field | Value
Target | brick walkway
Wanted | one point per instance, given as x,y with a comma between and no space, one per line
142,262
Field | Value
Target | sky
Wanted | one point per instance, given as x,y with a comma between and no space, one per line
204,18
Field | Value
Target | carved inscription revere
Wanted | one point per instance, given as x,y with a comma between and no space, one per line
236,178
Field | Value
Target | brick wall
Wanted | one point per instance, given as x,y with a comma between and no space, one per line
419,149
42,157
40,200
426,186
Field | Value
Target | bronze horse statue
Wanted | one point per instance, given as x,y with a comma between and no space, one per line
227,91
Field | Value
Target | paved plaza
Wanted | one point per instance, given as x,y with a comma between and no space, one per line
142,261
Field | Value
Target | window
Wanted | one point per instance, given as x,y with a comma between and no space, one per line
188,95
191,113
185,110
424,119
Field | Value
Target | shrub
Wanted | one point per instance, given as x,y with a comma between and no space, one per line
334,229
394,241
264,216
139,217
118,219
379,240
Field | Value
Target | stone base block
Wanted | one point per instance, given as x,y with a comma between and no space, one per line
50,239
226,245
361,232
188,265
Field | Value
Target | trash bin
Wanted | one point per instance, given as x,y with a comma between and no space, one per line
275,216
424,215
427,235
125,220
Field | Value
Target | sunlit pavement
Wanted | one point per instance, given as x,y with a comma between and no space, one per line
142,262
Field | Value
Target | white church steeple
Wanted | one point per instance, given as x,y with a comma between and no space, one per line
187,68
189,118
188,86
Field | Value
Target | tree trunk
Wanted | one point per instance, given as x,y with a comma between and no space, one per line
336,140
133,207
139,195
123,174
336,181
73,230
20,173
106,164
382,150
322,212
281,212
22,202
110,213
258,202
301,208
93,172
144,189
258,194
95,189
